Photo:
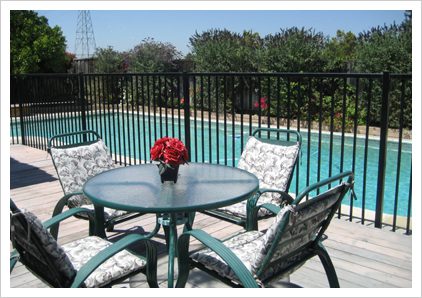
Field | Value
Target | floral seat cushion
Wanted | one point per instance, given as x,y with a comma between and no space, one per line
120,265
245,246
272,164
78,164
109,213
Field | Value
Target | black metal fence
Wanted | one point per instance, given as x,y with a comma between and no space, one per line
358,122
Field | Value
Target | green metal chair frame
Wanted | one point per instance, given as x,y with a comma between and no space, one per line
293,260
250,222
31,253
85,137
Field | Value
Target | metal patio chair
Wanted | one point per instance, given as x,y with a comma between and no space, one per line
254,258
77,157
86,262
272,159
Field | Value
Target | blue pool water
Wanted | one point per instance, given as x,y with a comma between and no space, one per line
323,166
134,133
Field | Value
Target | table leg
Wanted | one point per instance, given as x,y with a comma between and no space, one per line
99,221
169,221
166,235
172,250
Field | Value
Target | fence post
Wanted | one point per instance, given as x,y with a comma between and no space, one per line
186,97
383,149
18,80
82,102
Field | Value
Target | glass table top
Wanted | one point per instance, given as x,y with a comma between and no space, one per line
200,186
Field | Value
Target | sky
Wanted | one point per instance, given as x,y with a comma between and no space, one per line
123,29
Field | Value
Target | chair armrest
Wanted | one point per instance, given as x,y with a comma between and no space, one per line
220,249
62,216
58,209
63,202
102,256
252,207
270,207
284,195
252,201
315,186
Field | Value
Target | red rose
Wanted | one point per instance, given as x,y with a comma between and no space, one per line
183,152
169,150
157,151
163,140
176,144
172,156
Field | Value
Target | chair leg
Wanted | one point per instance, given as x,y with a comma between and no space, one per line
151,267
251,223
91,228
110,227
328,266
183,261
152,282
14,257
54,230
189,224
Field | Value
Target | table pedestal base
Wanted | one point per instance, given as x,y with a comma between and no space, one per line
169,221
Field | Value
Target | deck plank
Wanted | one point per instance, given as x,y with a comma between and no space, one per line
362,255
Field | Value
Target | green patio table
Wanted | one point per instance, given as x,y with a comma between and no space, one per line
200,186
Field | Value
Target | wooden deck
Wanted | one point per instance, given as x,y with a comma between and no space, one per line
364,257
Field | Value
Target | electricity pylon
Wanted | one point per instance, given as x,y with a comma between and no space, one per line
85,39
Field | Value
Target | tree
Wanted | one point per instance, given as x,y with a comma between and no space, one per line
387,48
35,47
340,52
294,50
107,60
153,56
224,51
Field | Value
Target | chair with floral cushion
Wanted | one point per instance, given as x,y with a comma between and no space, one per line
86,262
77,157
272,159
254,258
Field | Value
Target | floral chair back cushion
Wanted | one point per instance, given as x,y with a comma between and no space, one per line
272,164
302,226
76,165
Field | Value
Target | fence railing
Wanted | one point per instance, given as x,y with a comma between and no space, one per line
358,122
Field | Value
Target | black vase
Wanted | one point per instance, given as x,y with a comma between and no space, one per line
168,173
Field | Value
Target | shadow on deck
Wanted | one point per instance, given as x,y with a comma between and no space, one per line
23,174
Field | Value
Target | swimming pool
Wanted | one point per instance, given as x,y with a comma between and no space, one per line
132,135
368,190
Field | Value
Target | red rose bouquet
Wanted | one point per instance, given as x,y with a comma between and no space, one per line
169,152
